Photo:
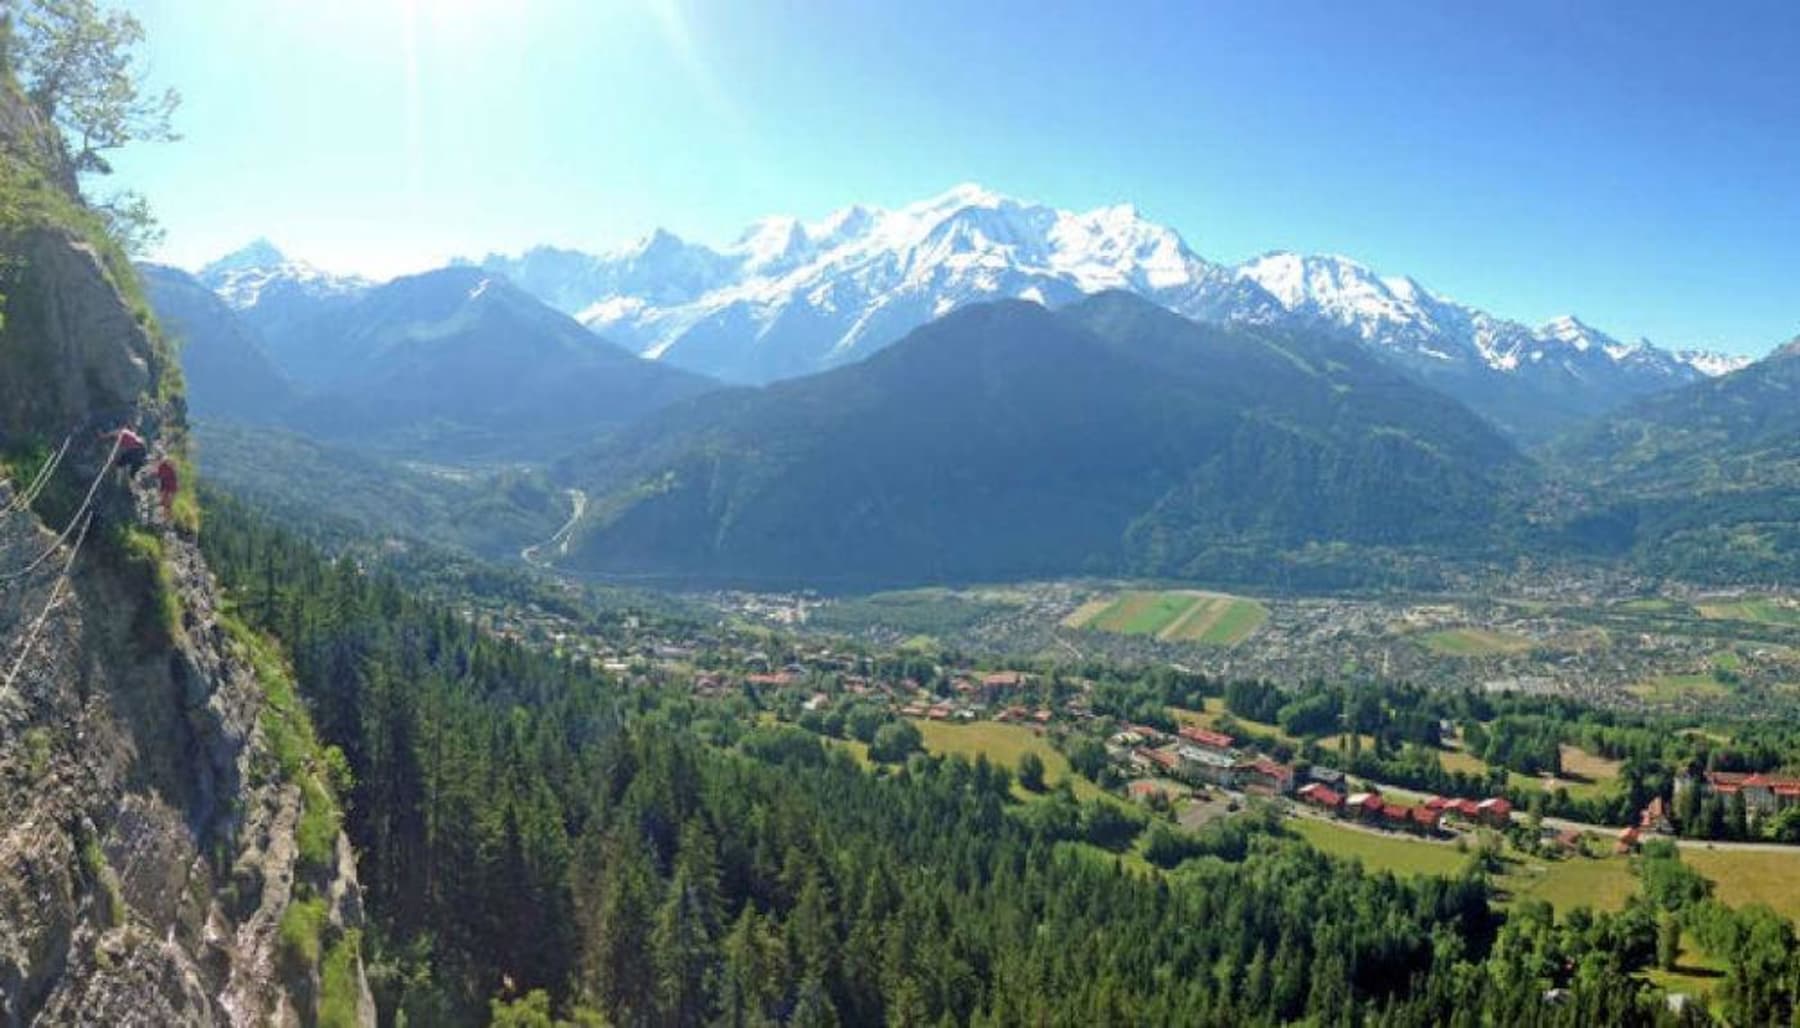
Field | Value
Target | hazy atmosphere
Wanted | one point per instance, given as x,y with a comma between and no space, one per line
1623,163
678,514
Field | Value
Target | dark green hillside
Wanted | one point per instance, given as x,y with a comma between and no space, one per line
1006,440
1700,483
229,373
301,481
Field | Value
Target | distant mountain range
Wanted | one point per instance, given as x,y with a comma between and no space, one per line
1007,440
789,298
1007,391
454,365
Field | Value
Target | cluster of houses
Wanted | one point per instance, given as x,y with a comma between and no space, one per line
1427,817
1201,756
1204,756
1763,794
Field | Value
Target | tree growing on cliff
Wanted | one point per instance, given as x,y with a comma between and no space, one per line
78,65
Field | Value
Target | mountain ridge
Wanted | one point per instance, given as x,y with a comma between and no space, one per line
1005,439
790,297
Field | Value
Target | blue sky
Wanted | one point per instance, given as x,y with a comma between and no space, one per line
1635,163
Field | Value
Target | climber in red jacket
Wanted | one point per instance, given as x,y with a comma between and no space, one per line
167,485
133,453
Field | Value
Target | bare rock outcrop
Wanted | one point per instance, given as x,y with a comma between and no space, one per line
150,867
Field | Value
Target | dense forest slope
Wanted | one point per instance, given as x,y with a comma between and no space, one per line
1007,440
1698,483
563,843
169,845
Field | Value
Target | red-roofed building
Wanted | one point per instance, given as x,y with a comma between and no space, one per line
1165,759
995,685
1437,803
1496,812
1206,737
1366,805
1763,793
1266,775
1321,796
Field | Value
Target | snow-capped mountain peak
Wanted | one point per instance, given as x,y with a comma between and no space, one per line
241,277
258,253
789,297
773,244
1572,331
1713,364
863,276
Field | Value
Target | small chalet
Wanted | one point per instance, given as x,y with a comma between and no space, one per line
1321,796
1364,805
1207,738
1496,812
1655,818
996,684
1266,775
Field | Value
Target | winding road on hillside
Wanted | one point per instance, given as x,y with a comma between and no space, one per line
559,542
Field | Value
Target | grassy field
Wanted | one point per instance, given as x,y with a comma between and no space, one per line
1004,744
1603,884
1565,884
1380,852
1462,760
1211,619
1762,611
1335,743
1218,621
1472,642
1582,764
1741,877
1674,688
1695,973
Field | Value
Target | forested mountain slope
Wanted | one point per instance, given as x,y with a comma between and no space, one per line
1700,483
545,836
1007,440
229,374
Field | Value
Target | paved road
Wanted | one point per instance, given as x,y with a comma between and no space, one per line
578,502
1564,824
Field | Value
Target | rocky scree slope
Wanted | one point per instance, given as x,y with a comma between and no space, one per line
169,850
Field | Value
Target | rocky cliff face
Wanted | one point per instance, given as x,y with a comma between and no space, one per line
168,847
